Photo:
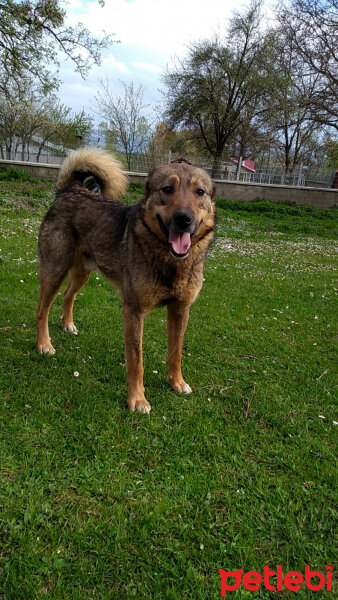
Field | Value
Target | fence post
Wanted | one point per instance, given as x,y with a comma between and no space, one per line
299,183
239,166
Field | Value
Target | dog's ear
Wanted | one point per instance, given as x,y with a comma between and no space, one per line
147,184
147,187
213,193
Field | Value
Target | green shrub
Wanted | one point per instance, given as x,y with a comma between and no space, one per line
15,174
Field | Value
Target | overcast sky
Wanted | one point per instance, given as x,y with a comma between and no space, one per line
151,34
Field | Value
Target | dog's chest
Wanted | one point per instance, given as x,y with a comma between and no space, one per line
183,290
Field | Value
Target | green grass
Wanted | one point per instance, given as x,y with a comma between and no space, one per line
99,503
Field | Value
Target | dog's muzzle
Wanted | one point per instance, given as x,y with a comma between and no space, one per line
179,231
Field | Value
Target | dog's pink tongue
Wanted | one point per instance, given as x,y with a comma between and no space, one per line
180,242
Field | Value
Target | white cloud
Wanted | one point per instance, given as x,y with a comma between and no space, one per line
144,66
162,27
75,4
112,63
152,32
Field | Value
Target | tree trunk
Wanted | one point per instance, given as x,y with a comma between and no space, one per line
216,168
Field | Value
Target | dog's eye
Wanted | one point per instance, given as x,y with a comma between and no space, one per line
200,192
168,189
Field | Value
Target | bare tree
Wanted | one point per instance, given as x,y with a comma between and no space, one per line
29,118
288,111
126,126
311,27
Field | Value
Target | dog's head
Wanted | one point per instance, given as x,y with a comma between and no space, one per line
179,206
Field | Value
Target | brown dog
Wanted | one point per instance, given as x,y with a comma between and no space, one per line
152,252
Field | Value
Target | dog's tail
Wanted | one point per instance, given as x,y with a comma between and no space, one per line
95,169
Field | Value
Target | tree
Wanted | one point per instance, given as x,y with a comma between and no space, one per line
250,140
288,109
33,32
162,141
62,128
331,147
311,27
30,118
126,127
219,86
165,142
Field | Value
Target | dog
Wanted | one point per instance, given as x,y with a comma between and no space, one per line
153,251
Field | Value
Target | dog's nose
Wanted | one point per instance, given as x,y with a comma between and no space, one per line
182,219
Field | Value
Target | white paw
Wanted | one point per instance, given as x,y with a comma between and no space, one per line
143,408
70,328
180,387
186,389
141,405
47,350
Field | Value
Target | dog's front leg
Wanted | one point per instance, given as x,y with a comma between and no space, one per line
178,317
133,332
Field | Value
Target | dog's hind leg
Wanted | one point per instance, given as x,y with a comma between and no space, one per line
78,279
56,257
178,317
50,284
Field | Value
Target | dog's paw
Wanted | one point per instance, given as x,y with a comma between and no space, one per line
140,405
45,349
186,389
181,387
70,328
143,407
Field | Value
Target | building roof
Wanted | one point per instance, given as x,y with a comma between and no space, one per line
247,164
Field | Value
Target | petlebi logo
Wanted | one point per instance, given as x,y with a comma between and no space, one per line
291,580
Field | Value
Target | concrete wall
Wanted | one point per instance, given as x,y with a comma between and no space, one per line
316,197
239,191
36,170
232,190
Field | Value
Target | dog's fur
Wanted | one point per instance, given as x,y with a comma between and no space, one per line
153,252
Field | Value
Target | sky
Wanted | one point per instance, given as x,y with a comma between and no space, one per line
151,34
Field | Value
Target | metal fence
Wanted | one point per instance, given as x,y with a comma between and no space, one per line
323,178
303,177
47,156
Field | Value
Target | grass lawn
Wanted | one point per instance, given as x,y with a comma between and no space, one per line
98,503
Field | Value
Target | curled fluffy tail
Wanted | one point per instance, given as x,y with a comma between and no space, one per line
93,162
